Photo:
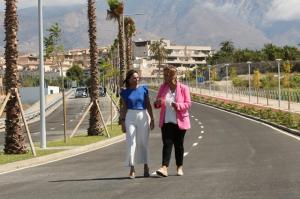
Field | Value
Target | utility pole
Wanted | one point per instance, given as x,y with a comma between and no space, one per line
43,142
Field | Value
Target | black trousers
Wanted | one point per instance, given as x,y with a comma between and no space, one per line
172,135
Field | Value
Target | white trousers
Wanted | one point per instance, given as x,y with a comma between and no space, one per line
137,136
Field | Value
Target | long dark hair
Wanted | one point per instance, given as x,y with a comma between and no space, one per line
128,76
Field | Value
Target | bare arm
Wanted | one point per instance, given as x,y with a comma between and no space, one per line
123,111
149,109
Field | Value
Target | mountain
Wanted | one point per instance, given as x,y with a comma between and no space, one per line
198,22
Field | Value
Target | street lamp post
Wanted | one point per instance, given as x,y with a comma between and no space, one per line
209,67
196,77
226,67
42,83
279,90
249,81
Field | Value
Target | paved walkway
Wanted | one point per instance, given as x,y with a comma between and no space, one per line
260,101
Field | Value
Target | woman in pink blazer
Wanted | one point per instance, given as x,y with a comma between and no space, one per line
174,100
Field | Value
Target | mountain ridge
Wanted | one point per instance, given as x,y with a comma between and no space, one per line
188,22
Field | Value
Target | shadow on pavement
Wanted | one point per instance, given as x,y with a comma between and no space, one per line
100,179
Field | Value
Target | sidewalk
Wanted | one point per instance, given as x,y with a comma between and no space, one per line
270,103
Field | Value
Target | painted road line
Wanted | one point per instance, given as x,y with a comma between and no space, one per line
185,154
195,144
276,129
202,132
200,137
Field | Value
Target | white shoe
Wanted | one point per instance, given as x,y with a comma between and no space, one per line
180,172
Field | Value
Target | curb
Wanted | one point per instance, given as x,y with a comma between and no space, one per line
24,164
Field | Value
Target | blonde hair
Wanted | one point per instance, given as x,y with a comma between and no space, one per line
171,69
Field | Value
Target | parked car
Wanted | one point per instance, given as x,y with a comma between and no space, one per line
102,91
81,92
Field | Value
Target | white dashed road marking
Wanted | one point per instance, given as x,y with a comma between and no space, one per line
185,154
200,137
202,127
195,144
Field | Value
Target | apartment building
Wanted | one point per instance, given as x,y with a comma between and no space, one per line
181,56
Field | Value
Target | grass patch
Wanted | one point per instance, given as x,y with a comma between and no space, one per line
4,158
84,139
79,140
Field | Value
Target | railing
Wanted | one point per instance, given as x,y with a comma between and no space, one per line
33,114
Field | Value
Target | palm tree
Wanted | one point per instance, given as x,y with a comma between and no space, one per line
14,137
95,119
227,47
159,53
115,13
129,32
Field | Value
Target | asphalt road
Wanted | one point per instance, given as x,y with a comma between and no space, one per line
227,157
55,123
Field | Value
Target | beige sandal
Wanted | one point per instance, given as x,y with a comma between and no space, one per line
162,173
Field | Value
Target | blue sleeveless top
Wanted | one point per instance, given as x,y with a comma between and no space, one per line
135,98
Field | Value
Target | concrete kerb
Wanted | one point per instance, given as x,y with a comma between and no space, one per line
15,166
68,153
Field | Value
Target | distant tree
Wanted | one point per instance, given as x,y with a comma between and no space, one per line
115,12
159,53
256,81
75,73
271,52
232,72
227,47
287,69
52,42
290,53
214,73
269,81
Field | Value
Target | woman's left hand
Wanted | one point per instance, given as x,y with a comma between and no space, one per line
173,104
152,124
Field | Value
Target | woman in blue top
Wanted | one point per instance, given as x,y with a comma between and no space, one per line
134,118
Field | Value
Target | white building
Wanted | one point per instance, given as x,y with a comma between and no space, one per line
181,56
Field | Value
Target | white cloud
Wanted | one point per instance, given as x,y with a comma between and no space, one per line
284,10
225,8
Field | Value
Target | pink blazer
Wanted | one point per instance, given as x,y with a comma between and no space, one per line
182,101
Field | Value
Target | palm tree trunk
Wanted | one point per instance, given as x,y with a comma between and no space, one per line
128,52
14,137
121,52
95,120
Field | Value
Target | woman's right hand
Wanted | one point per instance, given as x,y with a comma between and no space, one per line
123,126
157,103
